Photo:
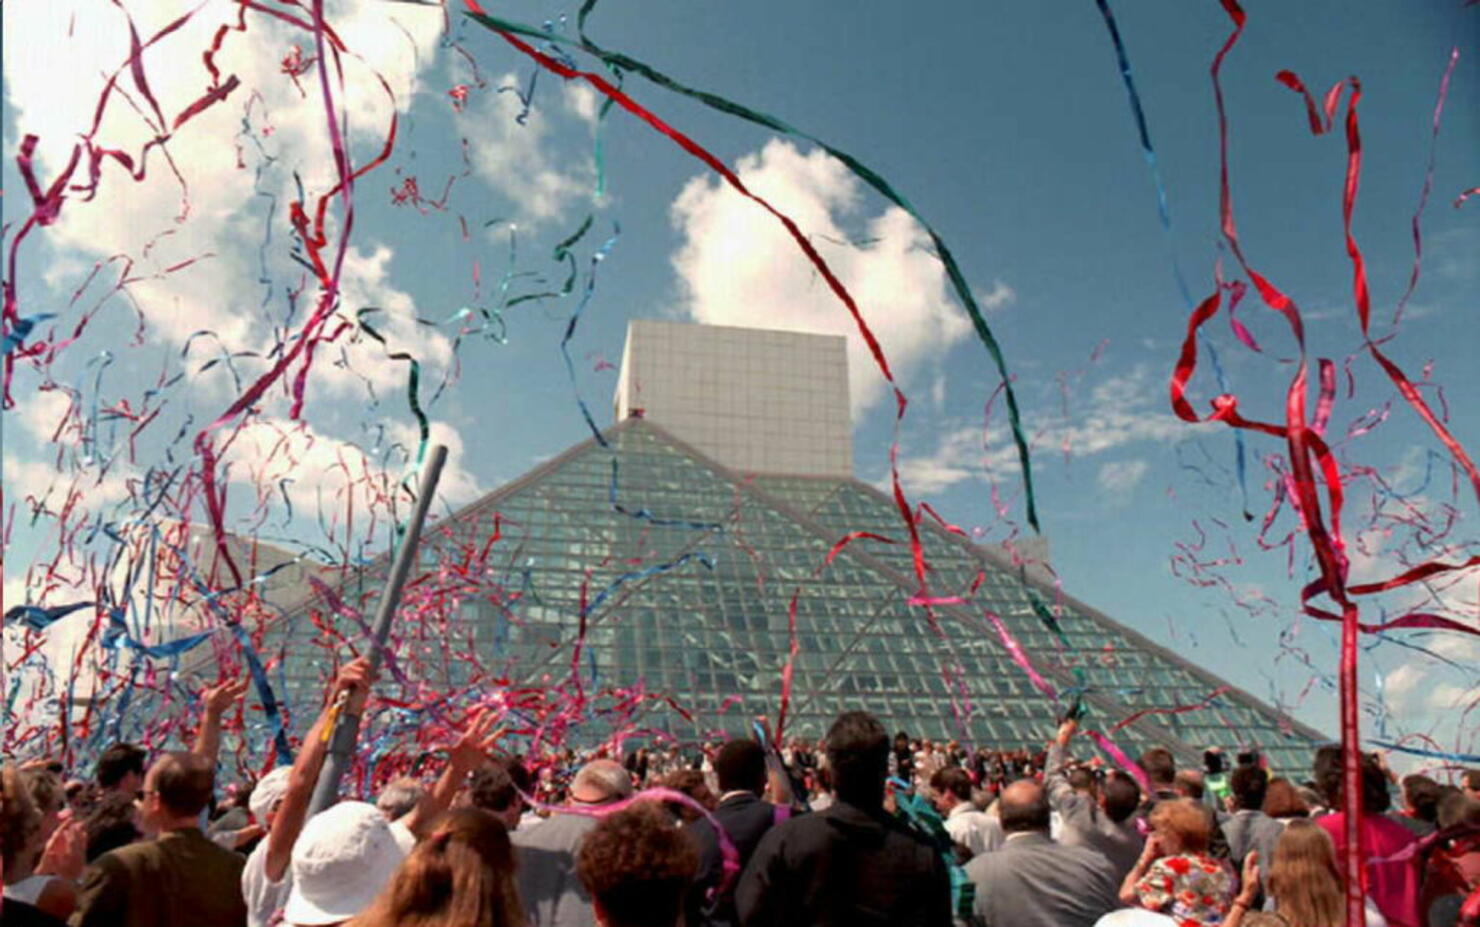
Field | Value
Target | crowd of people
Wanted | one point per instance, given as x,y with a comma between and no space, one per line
859,829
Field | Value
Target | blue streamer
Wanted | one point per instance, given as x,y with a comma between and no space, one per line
39,619
1463,758
22,328
638,575
1165,214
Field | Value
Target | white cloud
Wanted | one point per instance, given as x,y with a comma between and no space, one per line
582,100
958,457
1000,296
513,157
1121,411
323,474
45,414
53,97
1121,476
366,283
39,480
738,266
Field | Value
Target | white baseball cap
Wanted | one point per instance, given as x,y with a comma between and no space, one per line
268,791
342,859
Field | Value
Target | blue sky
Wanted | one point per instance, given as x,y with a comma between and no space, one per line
1007,126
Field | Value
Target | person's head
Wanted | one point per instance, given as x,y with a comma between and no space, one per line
399,796
20,823
637,867
1421,797
1326,773
950,786
1249,785
121,769
79,796
46,794
494,790
690,782
1283,800
267,794
1182,825
1303,878
858,752
1160,767
1471,783
741,766
599,782
177,789
462,873
342,859
901,741
1458,808
1189,783
1082,779
113,822
1023,808
1119,796
1375,797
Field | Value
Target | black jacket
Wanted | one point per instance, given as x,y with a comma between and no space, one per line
745,819
844,867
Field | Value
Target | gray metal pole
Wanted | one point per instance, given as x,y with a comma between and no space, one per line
347,726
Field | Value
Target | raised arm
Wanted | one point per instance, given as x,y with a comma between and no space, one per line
1055,779
354,680
216,701
1247,893
1149,854
464,756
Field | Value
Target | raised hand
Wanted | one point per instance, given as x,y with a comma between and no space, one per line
478,739
1066,731
65,853
1251,868
354,679
1250,887
219,699
1153,849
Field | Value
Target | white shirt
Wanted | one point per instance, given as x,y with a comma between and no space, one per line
27,890
980,833
264,897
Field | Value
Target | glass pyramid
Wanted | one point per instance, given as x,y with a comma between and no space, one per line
683,574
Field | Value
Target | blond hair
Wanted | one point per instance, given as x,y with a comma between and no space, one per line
1304,879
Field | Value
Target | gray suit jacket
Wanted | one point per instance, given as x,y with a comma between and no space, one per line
552,893
1034,882
1085,823
1252,830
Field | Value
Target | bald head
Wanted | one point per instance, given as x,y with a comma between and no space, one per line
1024,807
600,781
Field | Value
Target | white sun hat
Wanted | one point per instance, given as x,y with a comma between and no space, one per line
341,861
268,791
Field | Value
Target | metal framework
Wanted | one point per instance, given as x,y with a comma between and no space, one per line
685,572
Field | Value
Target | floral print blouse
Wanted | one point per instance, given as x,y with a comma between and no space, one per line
1194,890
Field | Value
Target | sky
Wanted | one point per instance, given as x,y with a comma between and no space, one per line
1006,125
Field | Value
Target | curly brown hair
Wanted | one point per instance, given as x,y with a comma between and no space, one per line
1183,821
690,782
637,867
